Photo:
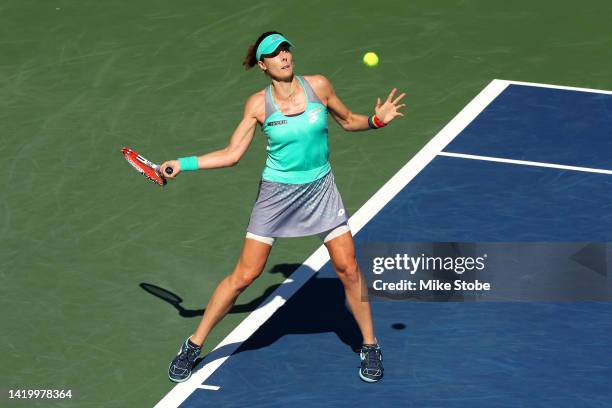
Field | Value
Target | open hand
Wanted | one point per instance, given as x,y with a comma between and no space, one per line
390,109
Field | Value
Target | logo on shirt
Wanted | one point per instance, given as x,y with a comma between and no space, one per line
313,115
277,122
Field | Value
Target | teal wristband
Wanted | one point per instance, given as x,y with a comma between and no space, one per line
188,163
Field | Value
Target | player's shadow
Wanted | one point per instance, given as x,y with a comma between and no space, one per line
175,300
317,307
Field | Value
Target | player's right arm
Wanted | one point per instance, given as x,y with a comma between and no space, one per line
238,143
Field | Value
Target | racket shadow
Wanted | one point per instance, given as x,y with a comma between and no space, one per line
175,300
319,306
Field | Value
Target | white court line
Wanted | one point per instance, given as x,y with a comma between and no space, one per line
209,387
566,88
291,285
524,162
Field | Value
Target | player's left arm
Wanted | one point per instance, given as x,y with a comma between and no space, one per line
348,120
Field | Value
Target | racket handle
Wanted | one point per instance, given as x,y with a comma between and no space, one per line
169,170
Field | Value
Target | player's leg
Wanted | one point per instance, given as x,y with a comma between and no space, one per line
342,253
248,268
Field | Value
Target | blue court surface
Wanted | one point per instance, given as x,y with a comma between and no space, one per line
522,162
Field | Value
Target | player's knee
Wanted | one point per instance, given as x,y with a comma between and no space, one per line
348,271
240,282
243,277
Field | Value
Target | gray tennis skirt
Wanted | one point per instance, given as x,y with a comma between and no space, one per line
297,210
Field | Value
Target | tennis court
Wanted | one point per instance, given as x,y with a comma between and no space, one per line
104,274
509,167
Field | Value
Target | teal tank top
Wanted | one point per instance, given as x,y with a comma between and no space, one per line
298,151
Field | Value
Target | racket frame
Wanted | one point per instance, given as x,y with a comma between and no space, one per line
131,154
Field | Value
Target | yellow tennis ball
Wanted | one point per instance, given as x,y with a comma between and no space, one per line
370,59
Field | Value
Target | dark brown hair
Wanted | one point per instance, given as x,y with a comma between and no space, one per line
251,59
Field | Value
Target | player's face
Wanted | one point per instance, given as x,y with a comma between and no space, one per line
279,64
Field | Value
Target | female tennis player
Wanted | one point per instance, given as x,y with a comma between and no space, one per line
297,194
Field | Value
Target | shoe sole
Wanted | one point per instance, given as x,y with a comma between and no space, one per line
176,380
366,379
179,381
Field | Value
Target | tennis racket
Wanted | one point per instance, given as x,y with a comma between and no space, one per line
148,169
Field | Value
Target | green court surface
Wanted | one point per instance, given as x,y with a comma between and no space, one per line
81,231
